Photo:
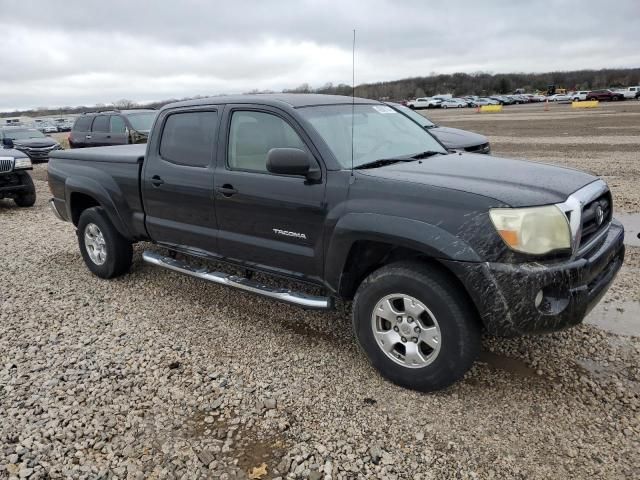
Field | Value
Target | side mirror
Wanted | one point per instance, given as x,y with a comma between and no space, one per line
7,142
289,161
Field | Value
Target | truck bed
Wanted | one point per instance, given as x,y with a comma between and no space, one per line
115,154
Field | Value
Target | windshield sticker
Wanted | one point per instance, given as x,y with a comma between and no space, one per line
383,109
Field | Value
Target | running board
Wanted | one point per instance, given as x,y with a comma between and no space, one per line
281,294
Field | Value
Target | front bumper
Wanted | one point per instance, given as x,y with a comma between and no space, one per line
505,294
13,184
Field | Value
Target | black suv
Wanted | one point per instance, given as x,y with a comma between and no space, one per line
115,127
31,141
15,181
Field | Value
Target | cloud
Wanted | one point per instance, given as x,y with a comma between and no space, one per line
97,52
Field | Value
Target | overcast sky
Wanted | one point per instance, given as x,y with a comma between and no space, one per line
83,52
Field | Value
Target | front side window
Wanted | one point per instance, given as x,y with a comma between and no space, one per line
189,138
142,122
117,124
379,132
101,124
253,134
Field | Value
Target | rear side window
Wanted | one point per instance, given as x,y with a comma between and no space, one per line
189,138
117,124
101,124
83,124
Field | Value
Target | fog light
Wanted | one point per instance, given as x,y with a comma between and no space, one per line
538,299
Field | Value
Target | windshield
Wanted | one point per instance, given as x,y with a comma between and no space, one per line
379,132
413,115
23,134
142,121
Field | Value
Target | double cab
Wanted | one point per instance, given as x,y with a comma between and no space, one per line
360,201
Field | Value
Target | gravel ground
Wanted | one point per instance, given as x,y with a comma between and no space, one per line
156,375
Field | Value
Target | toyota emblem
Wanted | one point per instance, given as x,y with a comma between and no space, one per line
599,215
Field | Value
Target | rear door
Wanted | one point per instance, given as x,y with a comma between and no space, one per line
99,131
178,180
268,220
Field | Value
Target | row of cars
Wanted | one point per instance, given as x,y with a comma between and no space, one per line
447,101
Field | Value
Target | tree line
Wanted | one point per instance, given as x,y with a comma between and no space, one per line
458,84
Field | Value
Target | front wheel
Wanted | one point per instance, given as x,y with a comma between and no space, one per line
416,326
104,250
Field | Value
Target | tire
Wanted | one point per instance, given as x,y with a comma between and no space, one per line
447,321
117,250
412,107
27,199
459,106
445,107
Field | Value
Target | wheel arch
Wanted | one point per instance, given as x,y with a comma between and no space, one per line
364,242
88,194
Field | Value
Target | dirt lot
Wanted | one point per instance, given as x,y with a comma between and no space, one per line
155,375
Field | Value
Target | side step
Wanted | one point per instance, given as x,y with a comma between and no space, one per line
281,294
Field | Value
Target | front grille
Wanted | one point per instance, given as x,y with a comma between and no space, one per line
596,215
6,165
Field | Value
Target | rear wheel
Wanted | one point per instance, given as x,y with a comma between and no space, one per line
416,326
104,250
27,198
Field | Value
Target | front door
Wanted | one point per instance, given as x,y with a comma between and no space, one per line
178,181
117,131
268,220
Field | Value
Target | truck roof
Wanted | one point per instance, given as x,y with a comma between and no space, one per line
294,100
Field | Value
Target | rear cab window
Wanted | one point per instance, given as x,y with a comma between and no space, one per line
189,138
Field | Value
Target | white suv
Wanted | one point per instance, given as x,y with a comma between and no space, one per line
424,102
579,96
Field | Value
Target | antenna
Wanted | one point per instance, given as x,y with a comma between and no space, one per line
353,93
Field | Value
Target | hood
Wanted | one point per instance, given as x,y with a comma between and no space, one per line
11,152
35,142
456,138
516,183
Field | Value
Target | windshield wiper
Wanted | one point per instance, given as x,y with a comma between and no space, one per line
381,162
428,153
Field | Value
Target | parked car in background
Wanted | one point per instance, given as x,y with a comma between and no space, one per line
116,127
559,97
630,92
453,103
520,99
15,181
503,99
487,101
63,125
579,95
424,102
605,95
49,128
452,138
29,141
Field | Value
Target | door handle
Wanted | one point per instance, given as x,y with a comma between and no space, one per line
88,137
156,181
227,190
108,136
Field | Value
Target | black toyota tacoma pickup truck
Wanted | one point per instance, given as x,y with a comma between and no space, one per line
362,202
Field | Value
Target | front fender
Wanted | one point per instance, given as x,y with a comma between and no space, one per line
426,238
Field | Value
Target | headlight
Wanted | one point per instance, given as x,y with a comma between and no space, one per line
22,163
535,230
